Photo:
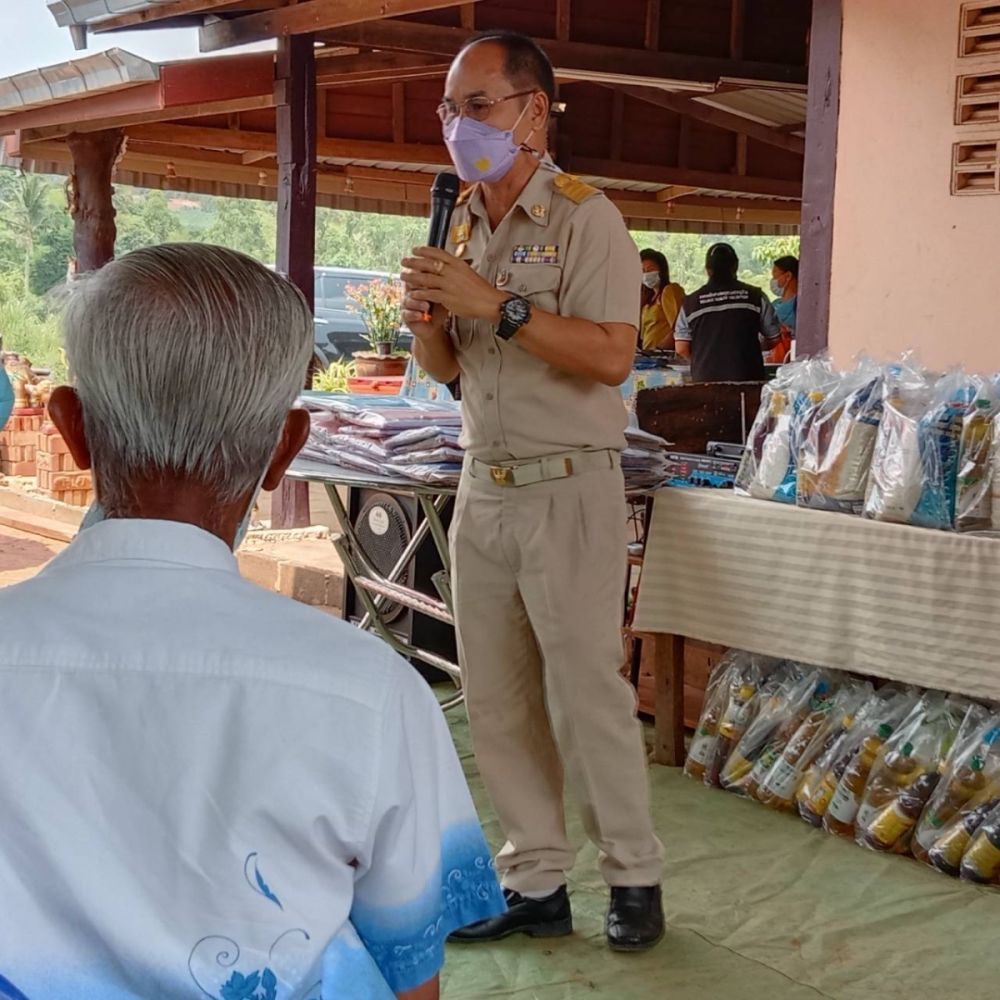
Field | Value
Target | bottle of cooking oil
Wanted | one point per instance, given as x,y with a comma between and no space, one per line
840,815
777,790
888,830
705,738
731,729
946,853
981,862
901,770
974,508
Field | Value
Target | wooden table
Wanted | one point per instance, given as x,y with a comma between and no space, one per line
887,600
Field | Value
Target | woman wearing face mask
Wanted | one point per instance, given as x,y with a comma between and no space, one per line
661,302
785,287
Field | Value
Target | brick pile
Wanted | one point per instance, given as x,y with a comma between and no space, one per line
19,443
59,477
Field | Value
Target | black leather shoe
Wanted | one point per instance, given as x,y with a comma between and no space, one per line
538,918
635,919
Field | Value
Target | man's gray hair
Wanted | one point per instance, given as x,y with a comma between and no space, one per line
187,358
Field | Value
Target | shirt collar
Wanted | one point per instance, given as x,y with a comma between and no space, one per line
141,540
535,200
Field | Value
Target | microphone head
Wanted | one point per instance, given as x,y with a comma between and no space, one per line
446,186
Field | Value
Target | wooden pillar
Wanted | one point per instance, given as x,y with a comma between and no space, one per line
91,204
819,179
295,98
668,664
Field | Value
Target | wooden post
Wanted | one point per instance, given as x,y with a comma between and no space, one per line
295,97
668,661
91,204
819,179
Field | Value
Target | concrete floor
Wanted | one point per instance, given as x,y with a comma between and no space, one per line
23,555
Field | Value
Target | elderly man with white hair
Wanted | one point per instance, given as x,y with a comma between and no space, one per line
207,789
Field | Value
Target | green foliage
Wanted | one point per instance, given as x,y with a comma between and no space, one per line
334,378
36,241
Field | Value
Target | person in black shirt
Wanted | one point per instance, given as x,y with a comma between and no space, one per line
726,325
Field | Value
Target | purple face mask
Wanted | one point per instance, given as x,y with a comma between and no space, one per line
479,151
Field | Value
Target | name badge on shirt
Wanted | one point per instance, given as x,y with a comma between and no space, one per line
535,254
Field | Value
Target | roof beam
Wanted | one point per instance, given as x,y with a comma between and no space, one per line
266,142
721,119
178,9
674,192
609,61
647,173
308,17
377,67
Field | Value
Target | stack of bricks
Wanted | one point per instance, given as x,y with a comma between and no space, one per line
19,442
58,475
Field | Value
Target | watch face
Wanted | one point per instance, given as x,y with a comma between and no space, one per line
517,310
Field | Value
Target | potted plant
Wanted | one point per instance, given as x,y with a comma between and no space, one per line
379,303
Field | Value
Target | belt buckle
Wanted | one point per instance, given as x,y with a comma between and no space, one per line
501,475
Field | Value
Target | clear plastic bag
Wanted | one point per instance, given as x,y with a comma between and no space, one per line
833,800
974,496
749,676
827,721
784,703
835,453
768,467
981,860
906,773
969,789
716,699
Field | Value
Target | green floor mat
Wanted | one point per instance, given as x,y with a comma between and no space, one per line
759,905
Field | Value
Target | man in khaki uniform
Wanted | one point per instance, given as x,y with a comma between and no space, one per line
536,304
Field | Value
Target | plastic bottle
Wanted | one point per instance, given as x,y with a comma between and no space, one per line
705,738
888,830
777,790
965,783
731,729
843,808
974,507
981,861
946,853
901,770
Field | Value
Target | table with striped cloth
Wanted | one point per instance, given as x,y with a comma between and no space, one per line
907,604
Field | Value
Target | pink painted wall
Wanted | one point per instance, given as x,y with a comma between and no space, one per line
913,266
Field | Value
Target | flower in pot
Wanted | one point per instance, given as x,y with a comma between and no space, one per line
380,304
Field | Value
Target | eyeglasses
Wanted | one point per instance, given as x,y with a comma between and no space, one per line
477,108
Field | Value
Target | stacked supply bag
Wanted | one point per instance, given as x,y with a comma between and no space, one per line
891,442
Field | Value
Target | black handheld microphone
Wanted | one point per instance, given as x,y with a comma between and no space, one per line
444,194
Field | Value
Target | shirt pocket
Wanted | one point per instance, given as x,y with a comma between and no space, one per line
538,283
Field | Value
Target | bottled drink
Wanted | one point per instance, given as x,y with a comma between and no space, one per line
900,770
981,862
705,738
946,853
731,729
777,790
965,783
975,507
844,803
890,827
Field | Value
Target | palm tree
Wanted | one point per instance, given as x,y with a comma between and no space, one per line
26,204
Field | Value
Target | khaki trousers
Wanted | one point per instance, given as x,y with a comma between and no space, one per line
538,577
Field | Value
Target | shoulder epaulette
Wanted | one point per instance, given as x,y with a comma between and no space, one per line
573,188
466,195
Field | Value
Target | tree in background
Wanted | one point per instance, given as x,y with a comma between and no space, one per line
246,225
25,205
144,219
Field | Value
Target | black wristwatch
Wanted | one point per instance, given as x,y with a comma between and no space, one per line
514,313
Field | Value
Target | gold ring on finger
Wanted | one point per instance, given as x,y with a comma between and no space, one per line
438,266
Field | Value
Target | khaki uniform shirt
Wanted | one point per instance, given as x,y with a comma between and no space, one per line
565,248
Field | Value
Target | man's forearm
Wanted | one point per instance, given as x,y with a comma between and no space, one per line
580,347
435,353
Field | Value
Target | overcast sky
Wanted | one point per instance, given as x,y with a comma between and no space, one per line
31,39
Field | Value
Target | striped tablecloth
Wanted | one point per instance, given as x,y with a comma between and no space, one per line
903,603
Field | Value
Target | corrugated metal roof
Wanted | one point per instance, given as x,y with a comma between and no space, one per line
67,12
114,69
766,106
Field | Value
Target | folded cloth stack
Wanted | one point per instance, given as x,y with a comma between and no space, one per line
418,439
394,436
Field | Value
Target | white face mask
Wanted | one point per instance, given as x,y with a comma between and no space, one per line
651,279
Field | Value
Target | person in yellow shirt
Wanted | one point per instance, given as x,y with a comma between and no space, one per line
661,302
